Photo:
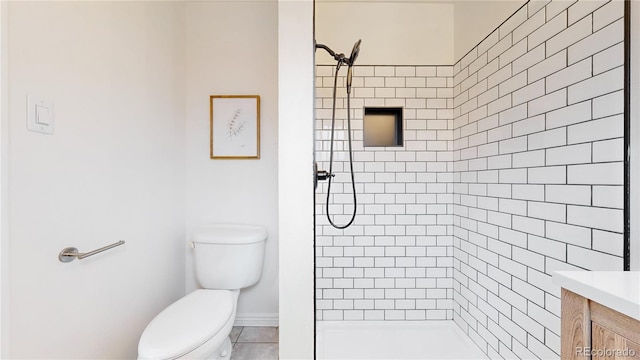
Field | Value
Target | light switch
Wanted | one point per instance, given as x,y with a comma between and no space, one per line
40,117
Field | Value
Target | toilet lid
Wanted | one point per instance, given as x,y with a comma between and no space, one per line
186,324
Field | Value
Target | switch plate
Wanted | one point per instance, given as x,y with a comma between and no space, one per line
40,115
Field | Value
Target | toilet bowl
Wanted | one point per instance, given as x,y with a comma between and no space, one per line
197,326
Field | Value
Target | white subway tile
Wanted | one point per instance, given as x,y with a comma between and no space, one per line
488,69
527,225
425,70
582,8
499,162
513,22
500,219
445,71
488,96
556,7
527,93
548,66
500,133
513,145
607,14
488,42
514,52
529,159
547,247
436,82
549,102
608,150
510,296
477,64
549,138
499,105
531,326
547,211
509,206
529,59
598,41
569,76
568,194
405,71
547,175
535,6
468,58
534,22
499,76
528,126
405,93
528,192
570,35
609,58
609,104
512,84
597,218
576,235
601,129
384,71
601,84
488,149
596,174
569,115
513,176
608,242
548,30
513,114
608,196
593,260
573,154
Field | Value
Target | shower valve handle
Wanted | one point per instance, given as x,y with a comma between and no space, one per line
324,175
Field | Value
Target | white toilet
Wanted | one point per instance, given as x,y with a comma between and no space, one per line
227,259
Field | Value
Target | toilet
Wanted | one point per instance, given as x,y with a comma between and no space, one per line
227,258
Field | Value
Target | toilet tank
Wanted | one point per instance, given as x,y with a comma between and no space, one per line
228,256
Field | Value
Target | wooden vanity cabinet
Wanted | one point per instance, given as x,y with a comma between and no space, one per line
590,330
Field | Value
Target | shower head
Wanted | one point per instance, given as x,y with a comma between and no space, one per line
354,52
351,61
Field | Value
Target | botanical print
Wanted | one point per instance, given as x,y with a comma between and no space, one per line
235,124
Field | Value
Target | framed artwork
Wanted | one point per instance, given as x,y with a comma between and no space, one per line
235,126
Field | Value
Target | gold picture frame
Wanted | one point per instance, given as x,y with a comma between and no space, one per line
234,127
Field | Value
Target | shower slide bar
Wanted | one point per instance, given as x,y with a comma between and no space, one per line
71,253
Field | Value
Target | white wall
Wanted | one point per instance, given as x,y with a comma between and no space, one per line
474,20
295,156
392,32
114,169
232,49
4,181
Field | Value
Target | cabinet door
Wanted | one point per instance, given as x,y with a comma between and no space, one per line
608,345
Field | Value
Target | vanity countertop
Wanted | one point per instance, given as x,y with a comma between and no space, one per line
617,290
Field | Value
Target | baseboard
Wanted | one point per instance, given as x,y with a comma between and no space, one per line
256,319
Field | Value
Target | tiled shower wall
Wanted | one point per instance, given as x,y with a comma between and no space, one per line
512,168
538,158
395,262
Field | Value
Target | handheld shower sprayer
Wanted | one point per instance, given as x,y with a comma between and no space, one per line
352,59
341,59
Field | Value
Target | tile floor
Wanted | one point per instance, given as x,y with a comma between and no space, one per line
254,343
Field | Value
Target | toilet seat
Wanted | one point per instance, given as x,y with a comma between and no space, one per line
188,324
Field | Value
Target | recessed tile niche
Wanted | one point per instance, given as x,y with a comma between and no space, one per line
382,126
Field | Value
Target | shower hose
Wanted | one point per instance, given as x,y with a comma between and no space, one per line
333,126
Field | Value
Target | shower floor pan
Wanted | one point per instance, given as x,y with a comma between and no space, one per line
394,340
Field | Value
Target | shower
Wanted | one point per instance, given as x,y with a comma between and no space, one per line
341,59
